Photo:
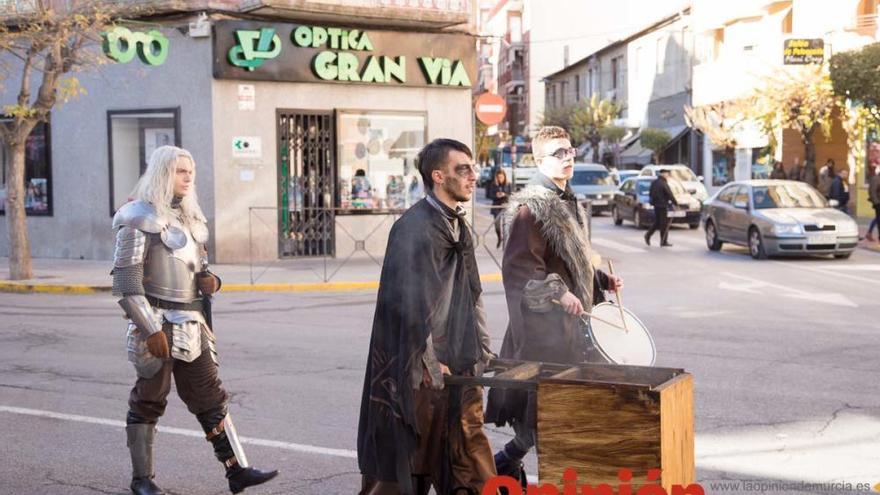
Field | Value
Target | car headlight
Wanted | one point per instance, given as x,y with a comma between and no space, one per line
648,206
848,229
787,229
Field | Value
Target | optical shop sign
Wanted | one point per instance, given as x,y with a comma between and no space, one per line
301,53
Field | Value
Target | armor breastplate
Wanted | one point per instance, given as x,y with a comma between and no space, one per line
169,274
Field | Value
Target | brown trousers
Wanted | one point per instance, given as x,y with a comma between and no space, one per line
198,385
464,442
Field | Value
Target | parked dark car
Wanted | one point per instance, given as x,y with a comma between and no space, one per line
632,202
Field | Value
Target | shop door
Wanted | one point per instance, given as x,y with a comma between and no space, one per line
306,171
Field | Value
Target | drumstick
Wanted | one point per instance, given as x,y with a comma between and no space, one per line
585,313
617,293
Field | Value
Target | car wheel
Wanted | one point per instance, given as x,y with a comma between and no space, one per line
712,240
637,219
756,244
615,214
842,256
693,226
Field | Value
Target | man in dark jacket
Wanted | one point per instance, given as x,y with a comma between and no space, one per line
874,198
429,322
661,199
840,191
548,250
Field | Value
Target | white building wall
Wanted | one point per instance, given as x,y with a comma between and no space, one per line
752,46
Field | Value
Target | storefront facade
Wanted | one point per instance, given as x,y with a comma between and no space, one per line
304,136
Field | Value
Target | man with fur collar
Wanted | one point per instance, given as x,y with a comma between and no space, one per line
548,250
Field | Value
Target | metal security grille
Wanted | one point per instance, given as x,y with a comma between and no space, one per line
307,177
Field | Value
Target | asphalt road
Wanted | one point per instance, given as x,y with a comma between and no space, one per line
784,355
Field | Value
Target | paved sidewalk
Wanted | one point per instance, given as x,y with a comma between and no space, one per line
301,275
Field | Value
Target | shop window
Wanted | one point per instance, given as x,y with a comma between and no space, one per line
377,159
762,163
721,172
37,172
134,135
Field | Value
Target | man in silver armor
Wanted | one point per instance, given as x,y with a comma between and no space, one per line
160,271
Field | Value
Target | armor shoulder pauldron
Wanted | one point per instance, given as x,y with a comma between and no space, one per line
141,216
131,246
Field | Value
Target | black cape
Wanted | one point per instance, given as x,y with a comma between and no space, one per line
420,259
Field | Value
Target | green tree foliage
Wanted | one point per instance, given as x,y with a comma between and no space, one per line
720,122
588,120
43,42
854,74
558,116
801,99
655,140
613,135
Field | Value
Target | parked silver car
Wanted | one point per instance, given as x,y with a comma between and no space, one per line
592,182
777,217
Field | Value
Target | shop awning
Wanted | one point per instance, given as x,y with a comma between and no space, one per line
635,154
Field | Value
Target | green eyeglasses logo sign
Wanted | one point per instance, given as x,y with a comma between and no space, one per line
121,44
341,55
254,47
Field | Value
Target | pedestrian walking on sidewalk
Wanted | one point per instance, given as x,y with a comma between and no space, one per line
796,172
160,269
499,192
662,200
826,177
874,198
840,191
778,171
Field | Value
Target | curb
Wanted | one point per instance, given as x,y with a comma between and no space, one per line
28,288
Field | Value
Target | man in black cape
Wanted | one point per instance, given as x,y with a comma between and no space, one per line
429,321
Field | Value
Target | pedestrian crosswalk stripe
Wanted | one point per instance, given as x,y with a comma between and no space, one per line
297,447
617,246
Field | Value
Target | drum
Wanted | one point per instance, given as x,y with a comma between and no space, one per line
615,345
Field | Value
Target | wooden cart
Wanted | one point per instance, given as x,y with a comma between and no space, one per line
599,419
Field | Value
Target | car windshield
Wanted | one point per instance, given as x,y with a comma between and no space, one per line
787,196
683,174
527,161
677,187
591,178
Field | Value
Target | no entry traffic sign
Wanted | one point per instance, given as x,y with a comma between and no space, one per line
490,108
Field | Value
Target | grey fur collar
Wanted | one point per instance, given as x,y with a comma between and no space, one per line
566,238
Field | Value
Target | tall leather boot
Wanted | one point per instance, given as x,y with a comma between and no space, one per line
140,444
221,433
508,462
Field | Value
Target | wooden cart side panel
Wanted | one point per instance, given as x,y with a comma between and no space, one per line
597,430
677,433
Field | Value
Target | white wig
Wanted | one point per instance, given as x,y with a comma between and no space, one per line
156,187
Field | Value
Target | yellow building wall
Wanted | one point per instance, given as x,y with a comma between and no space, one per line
836,148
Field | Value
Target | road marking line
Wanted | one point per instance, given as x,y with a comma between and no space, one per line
296,447
616,246
855,268
803,266
757,286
